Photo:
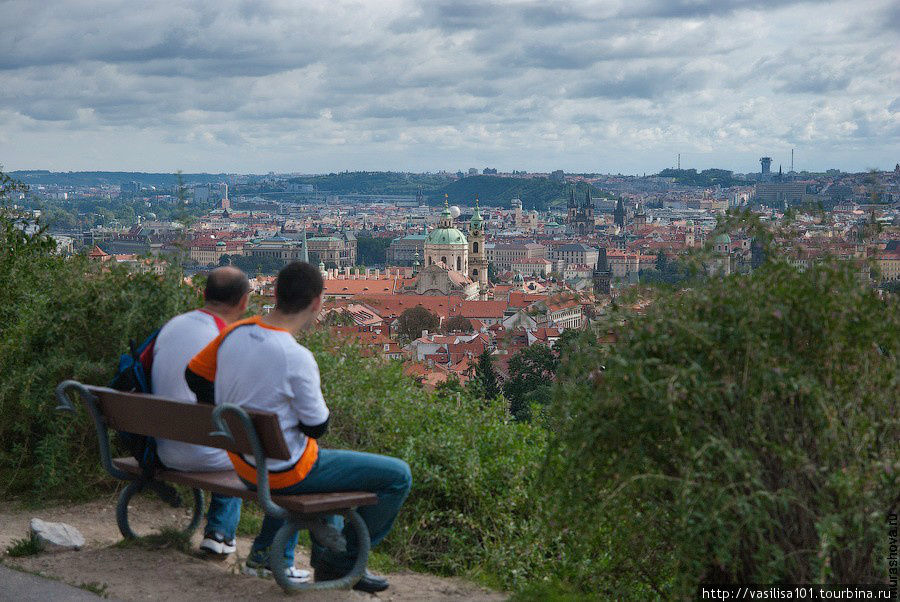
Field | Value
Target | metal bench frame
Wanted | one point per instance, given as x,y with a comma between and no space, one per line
293,520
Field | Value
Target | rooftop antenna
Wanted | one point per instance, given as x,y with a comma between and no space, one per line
792,160
679,161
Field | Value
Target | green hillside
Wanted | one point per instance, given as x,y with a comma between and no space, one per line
535,193
374,182
42,177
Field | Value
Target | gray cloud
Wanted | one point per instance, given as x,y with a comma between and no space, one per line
416,84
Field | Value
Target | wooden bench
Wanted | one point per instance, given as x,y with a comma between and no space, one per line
224,427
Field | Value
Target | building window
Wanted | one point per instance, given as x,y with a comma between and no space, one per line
474,247
475,272
444,260
458,264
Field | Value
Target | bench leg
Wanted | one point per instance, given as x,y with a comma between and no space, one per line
293,524
136,487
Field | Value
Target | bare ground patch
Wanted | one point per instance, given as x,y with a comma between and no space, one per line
138,573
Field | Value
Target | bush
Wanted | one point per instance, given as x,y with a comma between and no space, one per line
744,431
471,510
63,318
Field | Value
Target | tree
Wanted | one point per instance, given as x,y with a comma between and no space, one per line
414,320
661,261
742,431
371,250
457,324
450,387
531,373
486,378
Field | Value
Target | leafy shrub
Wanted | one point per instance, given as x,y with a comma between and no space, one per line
745,431
470,510
63,318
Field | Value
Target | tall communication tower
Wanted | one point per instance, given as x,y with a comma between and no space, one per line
792,160
679,161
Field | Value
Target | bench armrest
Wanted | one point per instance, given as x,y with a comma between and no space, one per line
259,456
65,404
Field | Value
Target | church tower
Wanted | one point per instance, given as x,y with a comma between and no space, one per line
572,206
601,274
478,265
619,214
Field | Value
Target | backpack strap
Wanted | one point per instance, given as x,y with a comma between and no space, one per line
220,323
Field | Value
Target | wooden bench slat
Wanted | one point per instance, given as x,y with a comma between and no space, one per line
227,483
186,422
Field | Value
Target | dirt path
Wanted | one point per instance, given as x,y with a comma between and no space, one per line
138,573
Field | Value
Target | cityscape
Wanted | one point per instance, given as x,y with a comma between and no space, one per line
442,300
517,272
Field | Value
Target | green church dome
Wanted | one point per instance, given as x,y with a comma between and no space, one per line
445,236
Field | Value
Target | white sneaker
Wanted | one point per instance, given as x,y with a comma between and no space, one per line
294,574
215,543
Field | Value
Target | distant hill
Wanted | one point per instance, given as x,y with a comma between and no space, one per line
44,177
705,179
374,182
535,193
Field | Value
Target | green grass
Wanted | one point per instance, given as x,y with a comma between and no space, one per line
251,519
101,589
165,538
27,546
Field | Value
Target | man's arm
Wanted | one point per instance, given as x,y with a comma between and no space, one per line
313,432
204,389
308,404
200,373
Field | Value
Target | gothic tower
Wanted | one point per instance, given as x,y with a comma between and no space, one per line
601,274
572,206
619,214
588,206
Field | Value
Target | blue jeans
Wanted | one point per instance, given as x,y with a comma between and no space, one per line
223,515
344,470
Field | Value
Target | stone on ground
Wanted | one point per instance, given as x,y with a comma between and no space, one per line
57,536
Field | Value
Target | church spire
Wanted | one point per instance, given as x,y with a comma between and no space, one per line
305,246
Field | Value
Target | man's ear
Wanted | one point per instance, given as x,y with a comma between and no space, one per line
245,300
317,303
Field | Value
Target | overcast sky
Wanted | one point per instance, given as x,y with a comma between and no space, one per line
288,86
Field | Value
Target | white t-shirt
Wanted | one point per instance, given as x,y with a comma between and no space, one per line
264,368
179,340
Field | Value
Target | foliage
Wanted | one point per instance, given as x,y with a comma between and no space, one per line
414,320
373,182
166,537
95,587
372,250
531,373
744,431
470,511
666,273
253,265
458,324
486,378
707,178
27,546
535,193
64,318
451,387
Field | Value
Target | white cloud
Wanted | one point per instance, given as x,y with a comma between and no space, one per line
615,86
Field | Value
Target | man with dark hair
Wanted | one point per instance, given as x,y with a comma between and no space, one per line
225,301
259,365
